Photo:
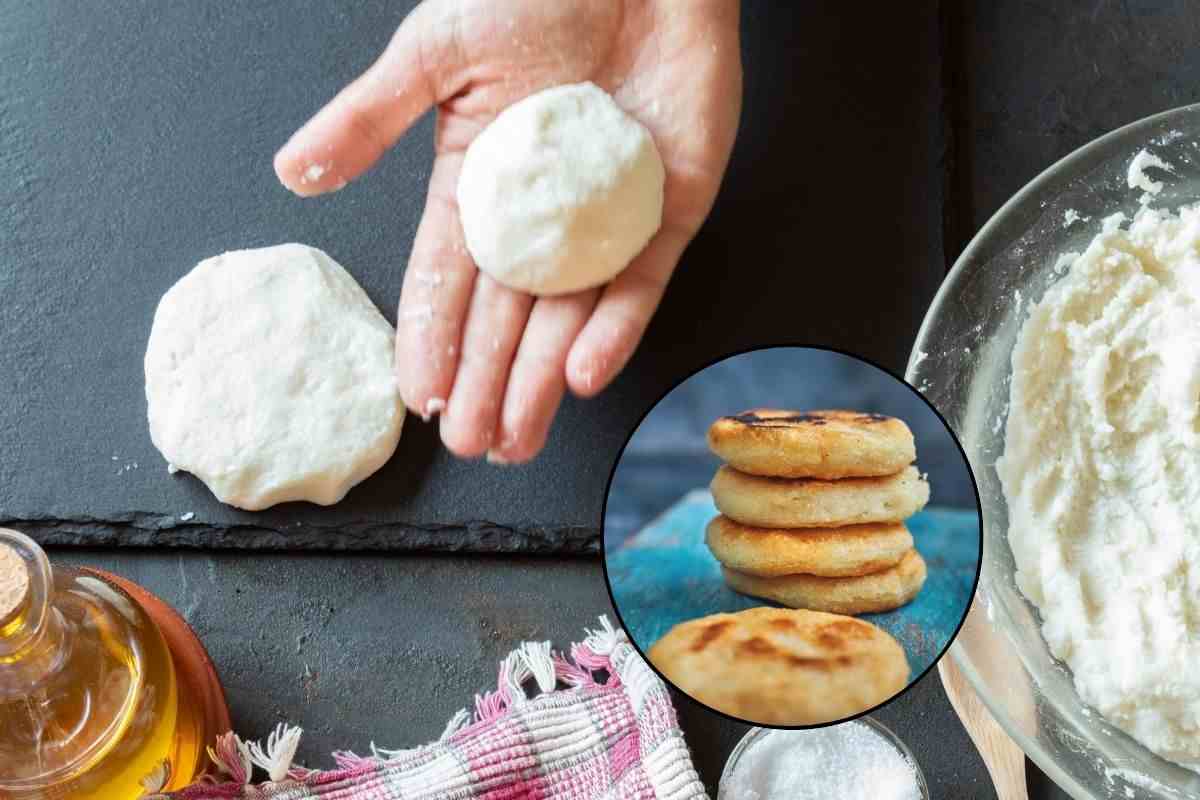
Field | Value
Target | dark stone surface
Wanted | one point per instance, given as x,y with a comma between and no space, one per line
1035,80
136,138
357,649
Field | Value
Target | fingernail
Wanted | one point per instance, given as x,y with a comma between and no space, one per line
493,457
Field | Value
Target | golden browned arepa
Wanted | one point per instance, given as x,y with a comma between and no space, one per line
865,594
812,444
811,503
777,666
831,552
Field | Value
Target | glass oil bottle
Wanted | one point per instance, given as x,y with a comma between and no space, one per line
90,703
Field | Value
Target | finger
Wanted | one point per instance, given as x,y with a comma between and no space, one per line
494,322
419,68
616,326
434,300
537,381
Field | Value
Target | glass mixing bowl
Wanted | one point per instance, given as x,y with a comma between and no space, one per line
961,361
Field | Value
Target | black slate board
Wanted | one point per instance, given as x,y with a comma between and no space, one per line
136,138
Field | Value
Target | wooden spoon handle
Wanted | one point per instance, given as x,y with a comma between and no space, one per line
1004,760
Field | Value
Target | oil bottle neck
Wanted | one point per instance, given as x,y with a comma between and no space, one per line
26,591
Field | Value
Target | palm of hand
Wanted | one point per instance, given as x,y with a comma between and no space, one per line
496,362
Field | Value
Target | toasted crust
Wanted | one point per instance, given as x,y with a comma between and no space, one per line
810,503
779,666
831,552
812,444
881,591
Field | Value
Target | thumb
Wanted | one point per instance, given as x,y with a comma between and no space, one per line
419,68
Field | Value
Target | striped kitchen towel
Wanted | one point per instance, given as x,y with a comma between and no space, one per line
600,727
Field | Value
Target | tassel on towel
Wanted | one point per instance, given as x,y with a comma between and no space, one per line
557,731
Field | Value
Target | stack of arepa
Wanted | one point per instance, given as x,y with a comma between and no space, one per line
813,506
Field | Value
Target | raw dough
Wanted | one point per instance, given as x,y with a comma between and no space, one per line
270,376
1101,473
560,192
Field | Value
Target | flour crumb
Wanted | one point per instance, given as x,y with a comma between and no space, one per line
1138,179
421,315
1070,217
434,405
314,172
433,279
188,517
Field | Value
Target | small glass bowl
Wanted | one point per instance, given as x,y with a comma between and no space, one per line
756,735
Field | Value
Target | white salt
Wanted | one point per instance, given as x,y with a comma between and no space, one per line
850,761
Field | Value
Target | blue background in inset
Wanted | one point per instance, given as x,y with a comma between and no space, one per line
668,456
666,575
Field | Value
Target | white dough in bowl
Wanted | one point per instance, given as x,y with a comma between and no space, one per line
1101,474
270,376
560,192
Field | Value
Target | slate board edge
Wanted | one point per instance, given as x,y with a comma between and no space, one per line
153,530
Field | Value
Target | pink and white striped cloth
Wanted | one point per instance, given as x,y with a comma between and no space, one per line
581,737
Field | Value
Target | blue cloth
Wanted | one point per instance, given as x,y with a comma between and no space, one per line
665,575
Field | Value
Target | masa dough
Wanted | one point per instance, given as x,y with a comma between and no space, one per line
560,192
1101,472
270,377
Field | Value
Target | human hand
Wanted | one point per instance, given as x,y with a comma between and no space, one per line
493,361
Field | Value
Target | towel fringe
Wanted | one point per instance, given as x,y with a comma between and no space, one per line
276,757
530,660
459,721
231,756
539,663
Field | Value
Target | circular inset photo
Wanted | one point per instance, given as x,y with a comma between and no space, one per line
792,536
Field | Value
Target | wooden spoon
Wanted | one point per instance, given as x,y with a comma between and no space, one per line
1004,760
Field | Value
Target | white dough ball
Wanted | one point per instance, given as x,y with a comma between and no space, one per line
270,376
560,192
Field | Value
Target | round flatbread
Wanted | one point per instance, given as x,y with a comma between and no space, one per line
270,376
811,503
865,594
775,666
813,444
831,552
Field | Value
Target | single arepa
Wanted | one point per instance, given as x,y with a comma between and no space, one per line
831,552
812,503
813,444
885,590
777,666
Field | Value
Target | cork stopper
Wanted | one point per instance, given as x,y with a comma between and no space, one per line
14,581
